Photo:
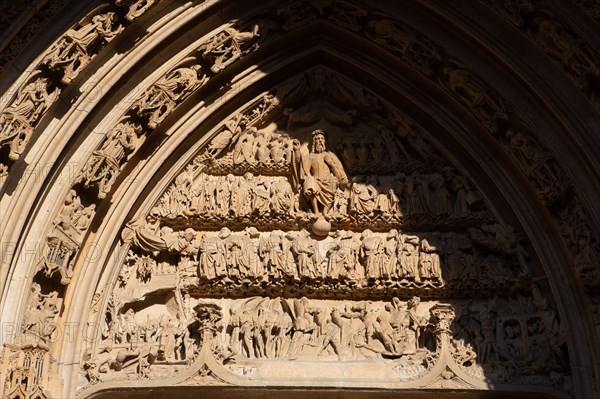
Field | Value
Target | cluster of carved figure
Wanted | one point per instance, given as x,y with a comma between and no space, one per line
512,341
74,218
364,259
130,344
75,49
381,152
68,56
300,329
41,315
271,152
260,328
19,118
552,35
530,343
387,198
354,257
227,196
255,150
64,240
105,164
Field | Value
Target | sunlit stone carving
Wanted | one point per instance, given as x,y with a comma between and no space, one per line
236,237
78,45
18,120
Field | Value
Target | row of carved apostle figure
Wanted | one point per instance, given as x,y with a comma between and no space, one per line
261,147
351,256
262,196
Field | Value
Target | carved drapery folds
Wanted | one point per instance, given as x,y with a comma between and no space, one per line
18,120
78,45
41,315
161,98
229,45
105,164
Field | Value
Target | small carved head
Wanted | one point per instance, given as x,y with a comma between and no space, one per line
413,302
252,232
318,140
224,233
189,233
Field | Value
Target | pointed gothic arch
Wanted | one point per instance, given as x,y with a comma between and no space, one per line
95,152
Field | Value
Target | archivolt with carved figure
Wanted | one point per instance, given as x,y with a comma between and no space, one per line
316,235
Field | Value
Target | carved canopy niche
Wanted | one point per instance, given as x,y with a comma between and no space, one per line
298,196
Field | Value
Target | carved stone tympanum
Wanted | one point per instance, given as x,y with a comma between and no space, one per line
318,230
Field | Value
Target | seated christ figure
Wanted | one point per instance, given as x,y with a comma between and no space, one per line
321,173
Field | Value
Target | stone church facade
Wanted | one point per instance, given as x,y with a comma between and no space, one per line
303,197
